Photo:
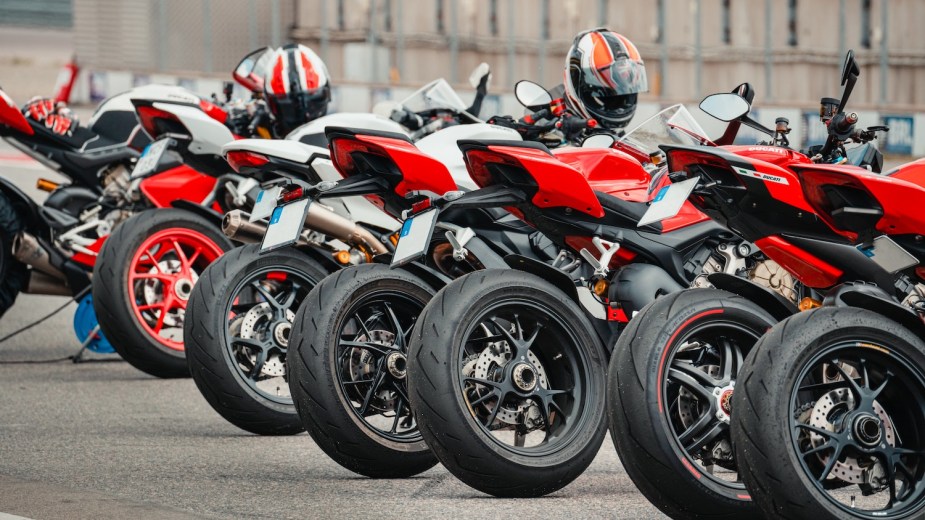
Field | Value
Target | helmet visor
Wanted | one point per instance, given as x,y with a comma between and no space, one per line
619,77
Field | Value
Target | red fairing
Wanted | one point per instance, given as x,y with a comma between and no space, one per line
621,175
811,271
558,184
902,201
12,117
782,157
214,111
420,172
182,182
913,172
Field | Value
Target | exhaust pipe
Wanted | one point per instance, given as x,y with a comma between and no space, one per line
26,249
41,283
236,227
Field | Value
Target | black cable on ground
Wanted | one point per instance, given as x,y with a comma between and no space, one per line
15,333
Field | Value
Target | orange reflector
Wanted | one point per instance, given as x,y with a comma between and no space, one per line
46,185
600,287
809,303
342,257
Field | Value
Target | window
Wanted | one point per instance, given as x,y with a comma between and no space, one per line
792,23
865,23
727,28
493,17
441,26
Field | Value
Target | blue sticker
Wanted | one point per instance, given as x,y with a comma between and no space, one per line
277,212
145,151
868,251
405,228
661,194
260,195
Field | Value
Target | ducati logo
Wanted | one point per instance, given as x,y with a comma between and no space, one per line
759,175
766,149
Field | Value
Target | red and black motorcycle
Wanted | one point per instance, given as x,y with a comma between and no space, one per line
821,385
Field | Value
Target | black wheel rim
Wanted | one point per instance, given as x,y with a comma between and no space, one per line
259,320
523,376
698,383
857,422
371,362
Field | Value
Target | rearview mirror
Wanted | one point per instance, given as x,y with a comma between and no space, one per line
532,95
725,107
247,73
599,141
850,68
483,70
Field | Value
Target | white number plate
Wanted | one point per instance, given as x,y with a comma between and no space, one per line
414,237
286,224
150,156
266,203
668,201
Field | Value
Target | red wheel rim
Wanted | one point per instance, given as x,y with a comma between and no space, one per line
161,277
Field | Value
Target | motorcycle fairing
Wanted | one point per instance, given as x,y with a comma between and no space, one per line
180,182
11,116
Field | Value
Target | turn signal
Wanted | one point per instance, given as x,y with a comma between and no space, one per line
600,287
342,257
393,238
46,185
809,303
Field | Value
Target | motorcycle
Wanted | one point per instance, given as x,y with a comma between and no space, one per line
51,248
250,391
800,210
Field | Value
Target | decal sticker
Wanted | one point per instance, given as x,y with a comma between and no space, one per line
759,175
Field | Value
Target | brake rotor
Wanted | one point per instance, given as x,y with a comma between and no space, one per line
825,413
491,362
254,324
362,367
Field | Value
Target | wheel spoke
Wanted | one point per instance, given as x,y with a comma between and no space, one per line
728,362
375,348
289,299
151,306
185,265
399,406
252,343
164,278
536,332
494,393
855,387
833,458
160,319
820,431
265,293
504,332
400,391
688,379
480,381
494,412
828,445
377,382
689,437
254,372
193,257
399,331
875,393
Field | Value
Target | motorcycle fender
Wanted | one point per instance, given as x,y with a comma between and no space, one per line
874,299
210,214
775,304
546,272
431,276
182,182
636,285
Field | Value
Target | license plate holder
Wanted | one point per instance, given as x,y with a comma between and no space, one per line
150,157
668,201
414,237
286,223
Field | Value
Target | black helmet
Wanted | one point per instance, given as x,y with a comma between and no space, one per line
603,74
297,87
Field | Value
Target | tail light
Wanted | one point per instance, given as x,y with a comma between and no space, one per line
157,122
293,194
483,165
214,111
245,162
352,156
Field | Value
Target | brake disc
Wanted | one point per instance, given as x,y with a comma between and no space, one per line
489,364
362,367
253,325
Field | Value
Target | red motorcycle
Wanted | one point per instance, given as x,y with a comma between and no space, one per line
833,397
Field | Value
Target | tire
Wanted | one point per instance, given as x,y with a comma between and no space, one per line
322,391
561,369
647,434
225,305
14,275
778,468
136,331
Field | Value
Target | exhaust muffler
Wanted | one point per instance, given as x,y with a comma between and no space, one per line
41,283
26,249
235,225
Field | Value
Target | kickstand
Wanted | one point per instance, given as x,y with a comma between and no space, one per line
78,357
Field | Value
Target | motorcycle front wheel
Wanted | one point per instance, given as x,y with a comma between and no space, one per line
506,375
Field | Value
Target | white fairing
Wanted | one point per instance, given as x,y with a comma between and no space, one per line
123,101
208,135
348,119
442,146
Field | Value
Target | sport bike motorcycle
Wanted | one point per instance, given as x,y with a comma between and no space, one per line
683,407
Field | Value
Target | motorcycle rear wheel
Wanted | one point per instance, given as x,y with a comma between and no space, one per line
142,280
506,375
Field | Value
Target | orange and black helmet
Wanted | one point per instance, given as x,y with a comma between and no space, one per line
603,75
297,87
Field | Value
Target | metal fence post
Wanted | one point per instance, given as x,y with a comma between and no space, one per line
602,12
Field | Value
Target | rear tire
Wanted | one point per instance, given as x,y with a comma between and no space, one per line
14,275
506,337
818,351
227,373
326,396
648,432
131,290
